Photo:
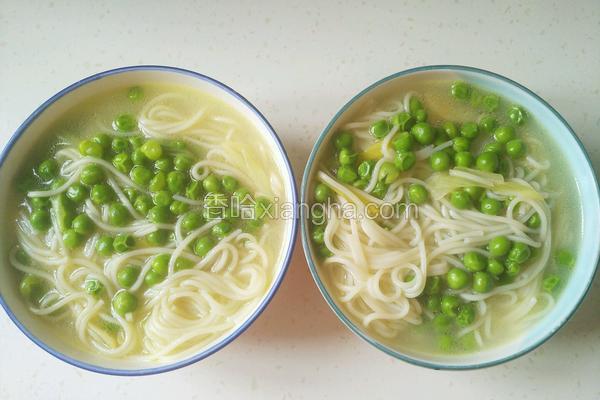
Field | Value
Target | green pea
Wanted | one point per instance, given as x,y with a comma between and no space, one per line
91,174
474,261
388,173
159,214
482,282
504,134
550,283
534,221
517,115
441,323
423,133
72,239
450,305
178,207
499,246
101,194
120,145
461,143
347,157
469,130
122,162
421,115
322,192
136,142
158,182
565,258
519,252
463,159
152,150
40,220
83,225
512,268
162,198
440,161
48,169
403,120
324,252
124,123
160,264
152,278
182,163
91,149
487,162
104,245
183,263
262,207
32,288
127,276
461,90
39,202
346,174
123,242
141,175
163,164
414,105
229,183
495,267
318,235
204,245
403,142
118,214
460,199
380,129
344,140
124,302
450,129
405,160
434,303
491,102
193,190
487,123
135,93
64,210
138,157
158,238
433,285
192,220
103,140
515,148
23,257
93,286
490,206
458,278
143,203
474,192
466,315
417,194
211,184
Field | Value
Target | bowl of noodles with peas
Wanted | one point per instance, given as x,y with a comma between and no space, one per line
452,219
148,220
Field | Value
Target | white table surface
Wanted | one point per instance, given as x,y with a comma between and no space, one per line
298,63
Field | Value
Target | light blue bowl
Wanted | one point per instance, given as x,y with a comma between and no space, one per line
26,137
558,131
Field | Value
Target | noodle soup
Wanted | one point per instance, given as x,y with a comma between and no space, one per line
442,221
144,227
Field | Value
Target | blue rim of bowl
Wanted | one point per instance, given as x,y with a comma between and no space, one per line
277,281
306,242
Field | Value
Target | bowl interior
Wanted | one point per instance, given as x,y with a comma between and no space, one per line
557,131
35,129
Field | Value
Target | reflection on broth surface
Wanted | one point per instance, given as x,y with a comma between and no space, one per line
141,233
482,257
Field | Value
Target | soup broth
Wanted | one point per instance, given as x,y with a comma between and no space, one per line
483,225
144,229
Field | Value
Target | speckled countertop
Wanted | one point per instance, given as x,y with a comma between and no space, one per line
299,62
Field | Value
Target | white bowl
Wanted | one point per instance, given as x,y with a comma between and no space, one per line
21,145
